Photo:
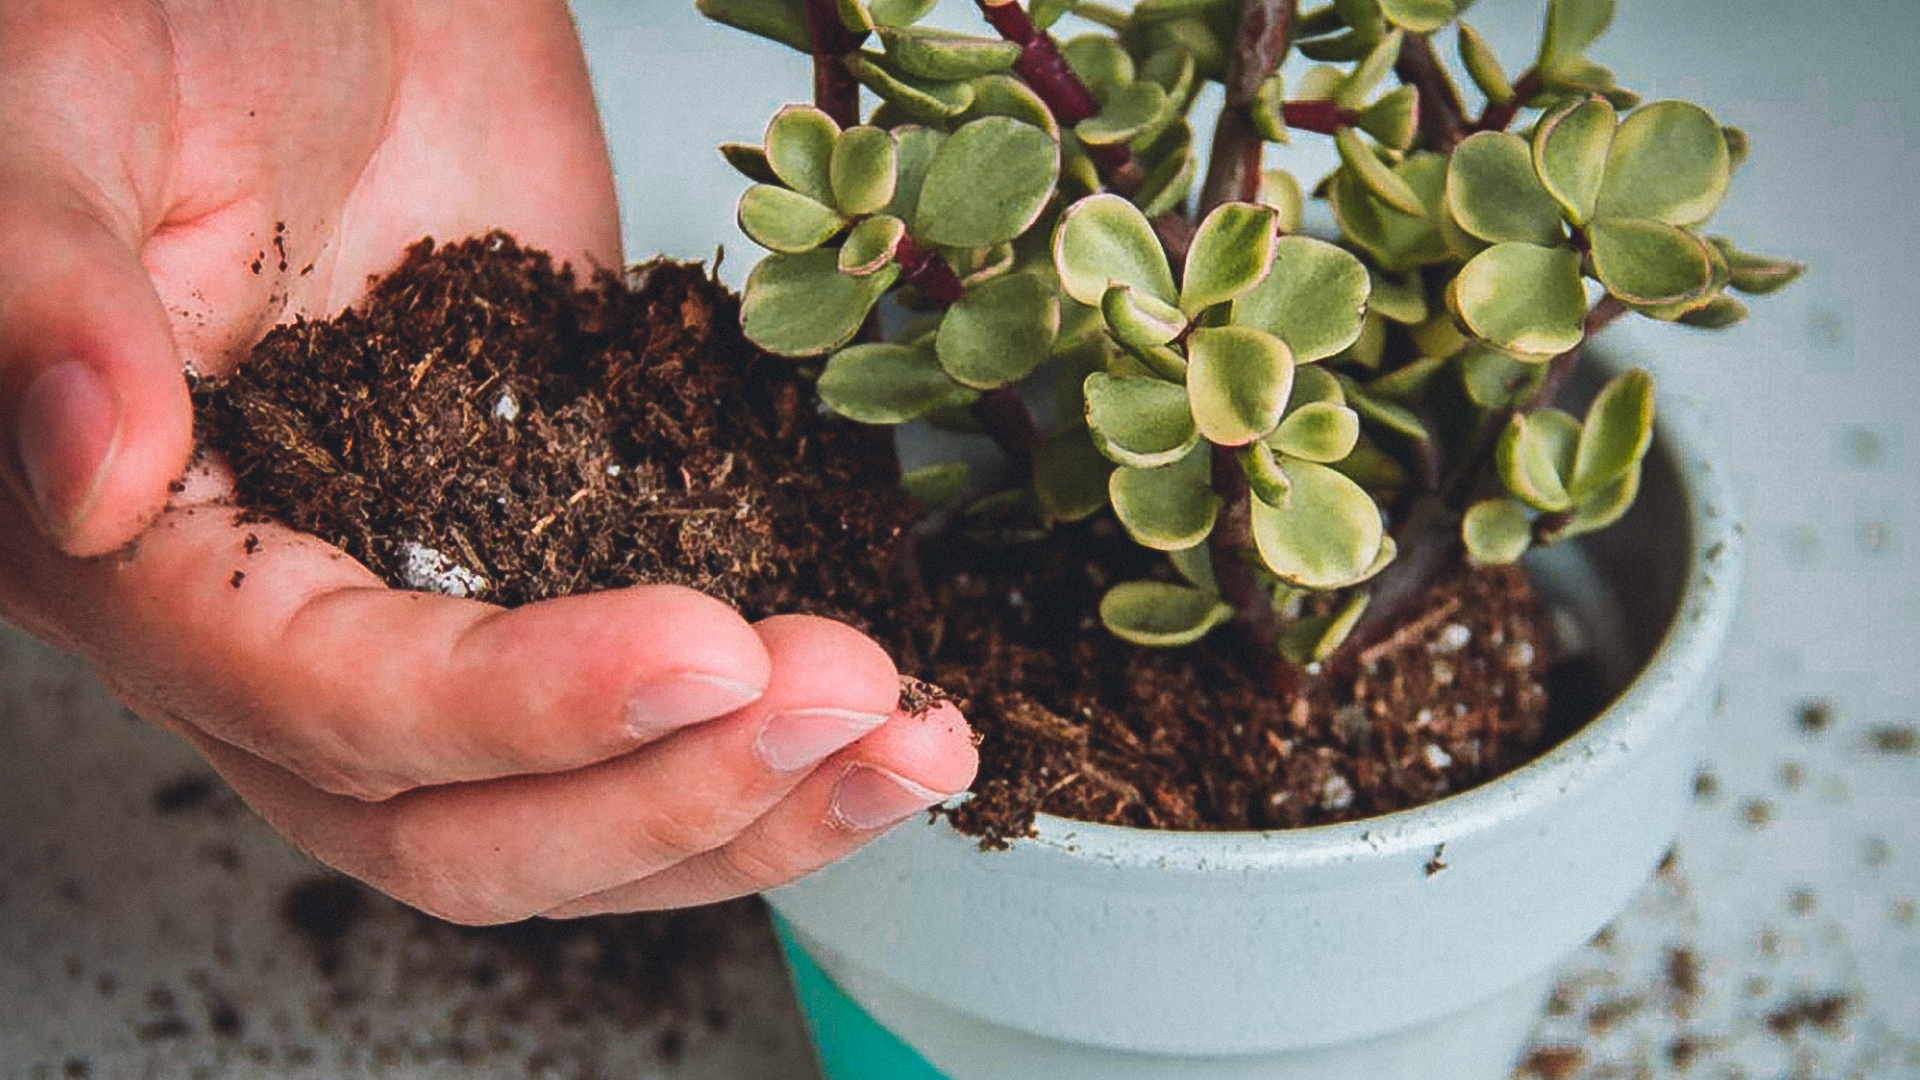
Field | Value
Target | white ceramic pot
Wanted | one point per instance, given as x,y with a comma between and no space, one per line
1095,951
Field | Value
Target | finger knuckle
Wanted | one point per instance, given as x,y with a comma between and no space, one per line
743,868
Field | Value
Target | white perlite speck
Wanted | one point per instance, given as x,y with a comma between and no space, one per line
426,570
1437,757
1335,793
1455,637
506,407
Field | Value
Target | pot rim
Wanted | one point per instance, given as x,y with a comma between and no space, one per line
1703,616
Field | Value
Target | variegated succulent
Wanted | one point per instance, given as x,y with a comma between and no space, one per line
1290,417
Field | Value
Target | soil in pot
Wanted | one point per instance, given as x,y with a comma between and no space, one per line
488,425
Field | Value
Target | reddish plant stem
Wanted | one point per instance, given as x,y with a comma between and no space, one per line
1320,117
1254,620
1044,69
835,91
1233,170
1443,119
1500,117
1001,412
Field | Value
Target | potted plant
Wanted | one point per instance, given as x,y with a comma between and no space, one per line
1313,429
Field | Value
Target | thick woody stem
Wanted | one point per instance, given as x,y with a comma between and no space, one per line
1254,619
1500,117
1320,117
1443,119
1233,171
1001,412
835,91
1044,69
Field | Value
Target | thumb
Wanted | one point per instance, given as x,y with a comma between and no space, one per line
95,420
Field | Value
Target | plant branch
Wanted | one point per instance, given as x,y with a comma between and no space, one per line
1048,73
1499,117
1443,119
1233,170
1319,117
1254,620
835,91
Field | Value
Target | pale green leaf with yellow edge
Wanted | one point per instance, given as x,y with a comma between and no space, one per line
944,56
988,183
1159,614
800,141
1138,421
1004,95
1321,432
1572,26
1418,16
1570,150
1648,263
887,384
1379,180
1756,275
750,161
1604,508
1669,162
1169,508
802,305
1535,458
1129,111
864,170
1268,481
1070,476
1238,380
1104,239
1394,119
1495,194
784,21
923,99
1102,64
914,150
1314,298
1617,434
783,220
1522,298
1483,66
1328,534
1372,68
870,246
1497,532
1279,190
1000,331
1230,254
1138,321
899,12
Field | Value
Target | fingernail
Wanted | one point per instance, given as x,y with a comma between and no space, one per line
674,701
65,433
792,741
870,798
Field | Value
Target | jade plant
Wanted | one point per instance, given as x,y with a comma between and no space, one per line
1312,428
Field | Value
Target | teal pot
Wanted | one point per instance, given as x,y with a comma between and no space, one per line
1094,951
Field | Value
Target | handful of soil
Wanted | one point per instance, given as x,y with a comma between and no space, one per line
486,425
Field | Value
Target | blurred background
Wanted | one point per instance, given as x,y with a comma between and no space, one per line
150,927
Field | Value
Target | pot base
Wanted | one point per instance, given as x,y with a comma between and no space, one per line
1481,1042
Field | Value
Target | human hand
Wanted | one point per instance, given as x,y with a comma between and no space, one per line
483,765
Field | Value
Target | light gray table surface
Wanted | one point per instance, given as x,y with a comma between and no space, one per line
137,942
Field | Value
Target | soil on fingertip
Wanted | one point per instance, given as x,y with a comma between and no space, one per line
487,424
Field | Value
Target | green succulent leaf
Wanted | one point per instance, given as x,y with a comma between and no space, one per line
1101,64
1570,151
1397,242
936,487
1616,436
1321,432
1139,321
1170,508
1379,180
944,56
988,184
800,142
1130,110
1070,476
915,147
1366,75
1535,458
1139,421
1394,119
1757,275
784,21
1497,532
1647,263
1669,162
1196,565
870,246
1281,191
887,384
783,220
1383,412
1719,313
1311,384
1314,298
1000,331
1522,298
1483,66
1230,254
1418,16
1604,508
1315,639
1364,16
1162,615
1238,380
1004,95
1737,145
802,305
1493,378
899,12
1495,194
864,170
1047,12
1572,27
1328,535
750,161
1104,239
1269,110
1265,477
1168,183
855,17
1402,299
924,99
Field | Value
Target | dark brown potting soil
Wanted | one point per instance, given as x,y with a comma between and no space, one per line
550,437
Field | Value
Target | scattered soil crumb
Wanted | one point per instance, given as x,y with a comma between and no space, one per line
1816,717
1669,863
1706,786
1684,1051
1552,1062
1683,976
918,697
1436,864
1802,902
1894,739
76,1068
1793,775
183,794
1757,813
1824,1013
1607,1015
1602,938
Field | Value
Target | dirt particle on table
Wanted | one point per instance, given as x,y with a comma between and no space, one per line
1803,902
1824,1013
1816,717
1552,1063
1894,739
76,1068
1683,976
1757,813
1436,864
1606,1015
1706,786
323,910
1685,1051
184,793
